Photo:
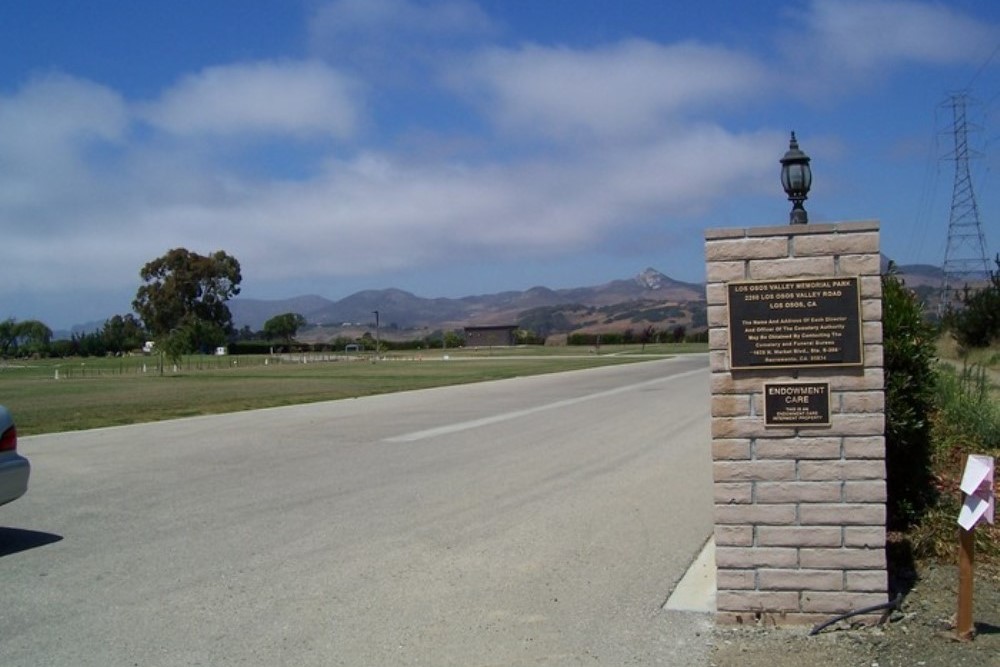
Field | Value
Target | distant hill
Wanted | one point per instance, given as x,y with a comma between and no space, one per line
648,297
925,280
922,275
917,275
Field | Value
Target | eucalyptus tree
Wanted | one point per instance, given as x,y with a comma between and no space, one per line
182,301
284,326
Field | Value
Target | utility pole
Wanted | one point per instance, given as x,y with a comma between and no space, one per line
378,343
965,253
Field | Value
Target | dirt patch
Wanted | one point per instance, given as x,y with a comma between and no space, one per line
919,634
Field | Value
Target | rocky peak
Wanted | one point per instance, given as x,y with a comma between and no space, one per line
652,279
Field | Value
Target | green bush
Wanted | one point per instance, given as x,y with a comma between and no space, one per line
910,381
968,412
977,322
967,421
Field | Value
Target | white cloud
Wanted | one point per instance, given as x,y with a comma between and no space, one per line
377,213
630,139
394,40
633,87
368,17
291,98
879,34
56,108
47,128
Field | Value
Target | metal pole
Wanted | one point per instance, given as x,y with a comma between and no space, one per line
965,627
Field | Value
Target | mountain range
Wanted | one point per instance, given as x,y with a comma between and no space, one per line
649,298
403,311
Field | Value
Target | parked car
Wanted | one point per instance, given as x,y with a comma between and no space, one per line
14,468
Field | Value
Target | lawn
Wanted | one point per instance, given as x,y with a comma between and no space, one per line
54,395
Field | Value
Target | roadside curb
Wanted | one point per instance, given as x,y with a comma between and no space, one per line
696,589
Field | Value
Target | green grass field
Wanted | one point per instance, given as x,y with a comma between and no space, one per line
56,395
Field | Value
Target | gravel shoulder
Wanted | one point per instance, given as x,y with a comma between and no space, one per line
919,634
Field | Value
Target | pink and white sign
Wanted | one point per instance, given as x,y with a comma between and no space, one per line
977,484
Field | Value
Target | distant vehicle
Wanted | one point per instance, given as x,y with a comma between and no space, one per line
14,468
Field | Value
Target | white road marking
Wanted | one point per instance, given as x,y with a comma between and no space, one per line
517,414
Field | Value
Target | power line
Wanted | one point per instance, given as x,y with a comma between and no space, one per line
928,190
982,67
965,254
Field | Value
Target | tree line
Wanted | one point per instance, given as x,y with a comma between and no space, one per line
180,306
647,335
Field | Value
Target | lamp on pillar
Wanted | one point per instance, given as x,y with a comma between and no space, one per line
796,178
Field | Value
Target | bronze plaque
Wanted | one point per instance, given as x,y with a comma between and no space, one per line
790,323
793,404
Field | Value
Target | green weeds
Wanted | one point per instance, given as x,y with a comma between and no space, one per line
966,421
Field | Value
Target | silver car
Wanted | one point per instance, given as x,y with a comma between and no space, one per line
14,468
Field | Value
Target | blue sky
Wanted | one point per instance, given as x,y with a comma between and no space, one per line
458,147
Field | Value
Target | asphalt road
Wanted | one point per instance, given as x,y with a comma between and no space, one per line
533,521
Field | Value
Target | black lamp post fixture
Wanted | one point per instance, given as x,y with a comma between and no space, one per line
796,178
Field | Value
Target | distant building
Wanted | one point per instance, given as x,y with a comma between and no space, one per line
493,336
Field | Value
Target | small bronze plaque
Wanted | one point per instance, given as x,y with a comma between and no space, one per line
790,323
797,404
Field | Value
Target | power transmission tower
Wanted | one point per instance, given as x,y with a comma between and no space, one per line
965,254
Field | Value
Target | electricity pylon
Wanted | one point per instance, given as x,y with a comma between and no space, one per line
965,254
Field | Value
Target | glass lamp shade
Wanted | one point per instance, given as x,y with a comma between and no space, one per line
796,178
796,175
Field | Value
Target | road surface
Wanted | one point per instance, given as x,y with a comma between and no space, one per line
533,521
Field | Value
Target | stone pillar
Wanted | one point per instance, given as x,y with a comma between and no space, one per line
799,507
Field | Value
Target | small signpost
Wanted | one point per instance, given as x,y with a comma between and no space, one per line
978,503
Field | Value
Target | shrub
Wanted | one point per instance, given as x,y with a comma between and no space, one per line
967,421
977,322
969,417
909,393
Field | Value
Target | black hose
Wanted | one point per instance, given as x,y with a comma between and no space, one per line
888,606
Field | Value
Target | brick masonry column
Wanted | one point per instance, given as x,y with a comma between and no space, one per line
799,511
